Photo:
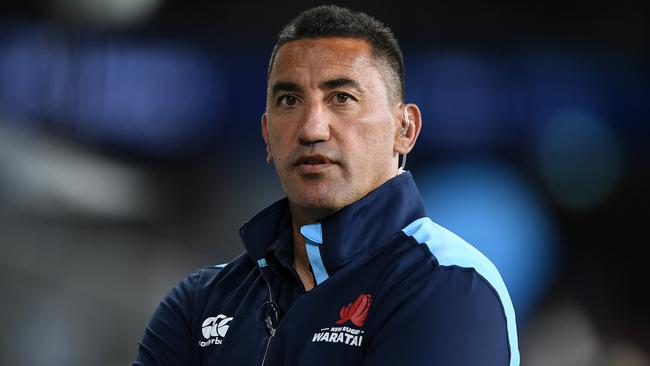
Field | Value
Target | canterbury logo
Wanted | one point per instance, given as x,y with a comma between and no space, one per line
214,329
357,311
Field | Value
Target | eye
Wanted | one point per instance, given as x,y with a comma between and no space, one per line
287,100
341,98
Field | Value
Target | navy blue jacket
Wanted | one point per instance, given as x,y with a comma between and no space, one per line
392,288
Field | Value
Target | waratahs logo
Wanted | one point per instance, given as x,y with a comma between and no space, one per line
214,329
356,313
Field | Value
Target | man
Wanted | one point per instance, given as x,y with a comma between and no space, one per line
347,270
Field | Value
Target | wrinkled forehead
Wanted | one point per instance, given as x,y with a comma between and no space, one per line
322,58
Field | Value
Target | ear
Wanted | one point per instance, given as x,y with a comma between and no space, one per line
265,136
410,123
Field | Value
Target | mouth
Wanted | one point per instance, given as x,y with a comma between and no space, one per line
315,163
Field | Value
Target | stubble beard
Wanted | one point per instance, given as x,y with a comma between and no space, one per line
318,195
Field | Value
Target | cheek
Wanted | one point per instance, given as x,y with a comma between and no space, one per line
378,140
277,143
372,148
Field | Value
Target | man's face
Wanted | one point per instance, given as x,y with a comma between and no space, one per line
329,126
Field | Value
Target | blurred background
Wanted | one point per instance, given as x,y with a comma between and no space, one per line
130,154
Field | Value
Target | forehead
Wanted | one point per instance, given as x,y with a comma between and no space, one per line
323,57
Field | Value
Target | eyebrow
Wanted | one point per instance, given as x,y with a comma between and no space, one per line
290,86
286,86
338,83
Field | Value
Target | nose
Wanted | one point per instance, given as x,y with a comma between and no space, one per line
315,125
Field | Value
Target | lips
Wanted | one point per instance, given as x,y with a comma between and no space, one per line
314,163
313,160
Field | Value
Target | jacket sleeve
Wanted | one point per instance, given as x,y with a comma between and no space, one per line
454,319
167,338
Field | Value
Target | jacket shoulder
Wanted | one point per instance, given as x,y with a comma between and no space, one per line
167,337
205,275
465,277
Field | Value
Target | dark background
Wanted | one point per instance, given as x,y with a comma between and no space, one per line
130,153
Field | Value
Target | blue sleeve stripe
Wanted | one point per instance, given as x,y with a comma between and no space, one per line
451,250
313,235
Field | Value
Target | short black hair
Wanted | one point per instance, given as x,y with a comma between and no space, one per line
334,21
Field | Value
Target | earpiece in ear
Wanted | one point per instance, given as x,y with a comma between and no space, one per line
405,124
405,127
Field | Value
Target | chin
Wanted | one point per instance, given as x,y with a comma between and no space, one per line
317,202
323,196
320,204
